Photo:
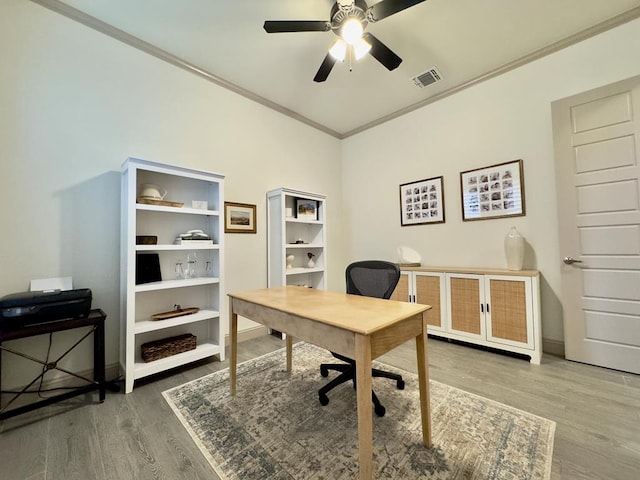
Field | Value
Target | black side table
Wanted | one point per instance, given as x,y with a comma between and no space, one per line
95,319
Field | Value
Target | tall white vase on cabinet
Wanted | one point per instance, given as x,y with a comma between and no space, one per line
514,249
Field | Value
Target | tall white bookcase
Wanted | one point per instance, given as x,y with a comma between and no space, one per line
203,289
287,225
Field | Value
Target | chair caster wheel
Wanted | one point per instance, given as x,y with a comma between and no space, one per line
400,384
324,372
380,411
324,400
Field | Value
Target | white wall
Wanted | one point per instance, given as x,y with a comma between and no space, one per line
74,104
503,119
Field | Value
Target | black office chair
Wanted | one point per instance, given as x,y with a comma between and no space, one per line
369,278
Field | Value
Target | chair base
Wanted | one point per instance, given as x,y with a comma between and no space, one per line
348,372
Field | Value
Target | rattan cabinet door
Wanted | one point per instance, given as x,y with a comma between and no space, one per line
428,289
401,293
466,305
510,310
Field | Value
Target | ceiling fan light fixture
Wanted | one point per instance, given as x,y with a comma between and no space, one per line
361,48
351,31
348,20
339,50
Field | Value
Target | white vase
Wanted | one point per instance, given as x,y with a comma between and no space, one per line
514,249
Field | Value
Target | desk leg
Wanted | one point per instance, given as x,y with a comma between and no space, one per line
423,380
233,346
289,342
365,410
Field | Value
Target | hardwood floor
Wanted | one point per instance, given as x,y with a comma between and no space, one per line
137,436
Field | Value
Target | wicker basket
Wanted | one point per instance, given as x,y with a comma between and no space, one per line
168,346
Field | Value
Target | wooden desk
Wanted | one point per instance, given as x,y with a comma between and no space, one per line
362,328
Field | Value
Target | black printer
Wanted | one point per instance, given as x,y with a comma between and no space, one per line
33,308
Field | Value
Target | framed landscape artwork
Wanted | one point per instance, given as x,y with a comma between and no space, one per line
306,209
422,202
493,192
239,218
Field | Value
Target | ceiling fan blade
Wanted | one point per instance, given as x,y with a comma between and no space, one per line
280,26
386,8
382,53
325,68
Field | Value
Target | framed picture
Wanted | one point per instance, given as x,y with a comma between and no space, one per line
306,209
239,218
422,202
493,192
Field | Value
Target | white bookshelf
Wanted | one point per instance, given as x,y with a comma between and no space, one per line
285,227
204,290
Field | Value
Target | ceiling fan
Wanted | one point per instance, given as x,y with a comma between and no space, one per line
348,20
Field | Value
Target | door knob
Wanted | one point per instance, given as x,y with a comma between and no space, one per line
570,260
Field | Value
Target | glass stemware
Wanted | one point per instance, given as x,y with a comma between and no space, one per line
180,273
191,265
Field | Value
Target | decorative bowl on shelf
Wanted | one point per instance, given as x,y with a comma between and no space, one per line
154,201
176,312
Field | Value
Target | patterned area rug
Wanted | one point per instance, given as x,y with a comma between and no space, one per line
276,429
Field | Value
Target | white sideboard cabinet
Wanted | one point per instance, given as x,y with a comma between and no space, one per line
296,230
184,273
495,308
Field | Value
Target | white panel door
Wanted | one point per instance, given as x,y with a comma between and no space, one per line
596,138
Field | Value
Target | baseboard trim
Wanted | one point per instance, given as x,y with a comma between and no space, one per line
553,347
248,334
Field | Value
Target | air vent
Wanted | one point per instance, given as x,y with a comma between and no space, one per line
425,79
